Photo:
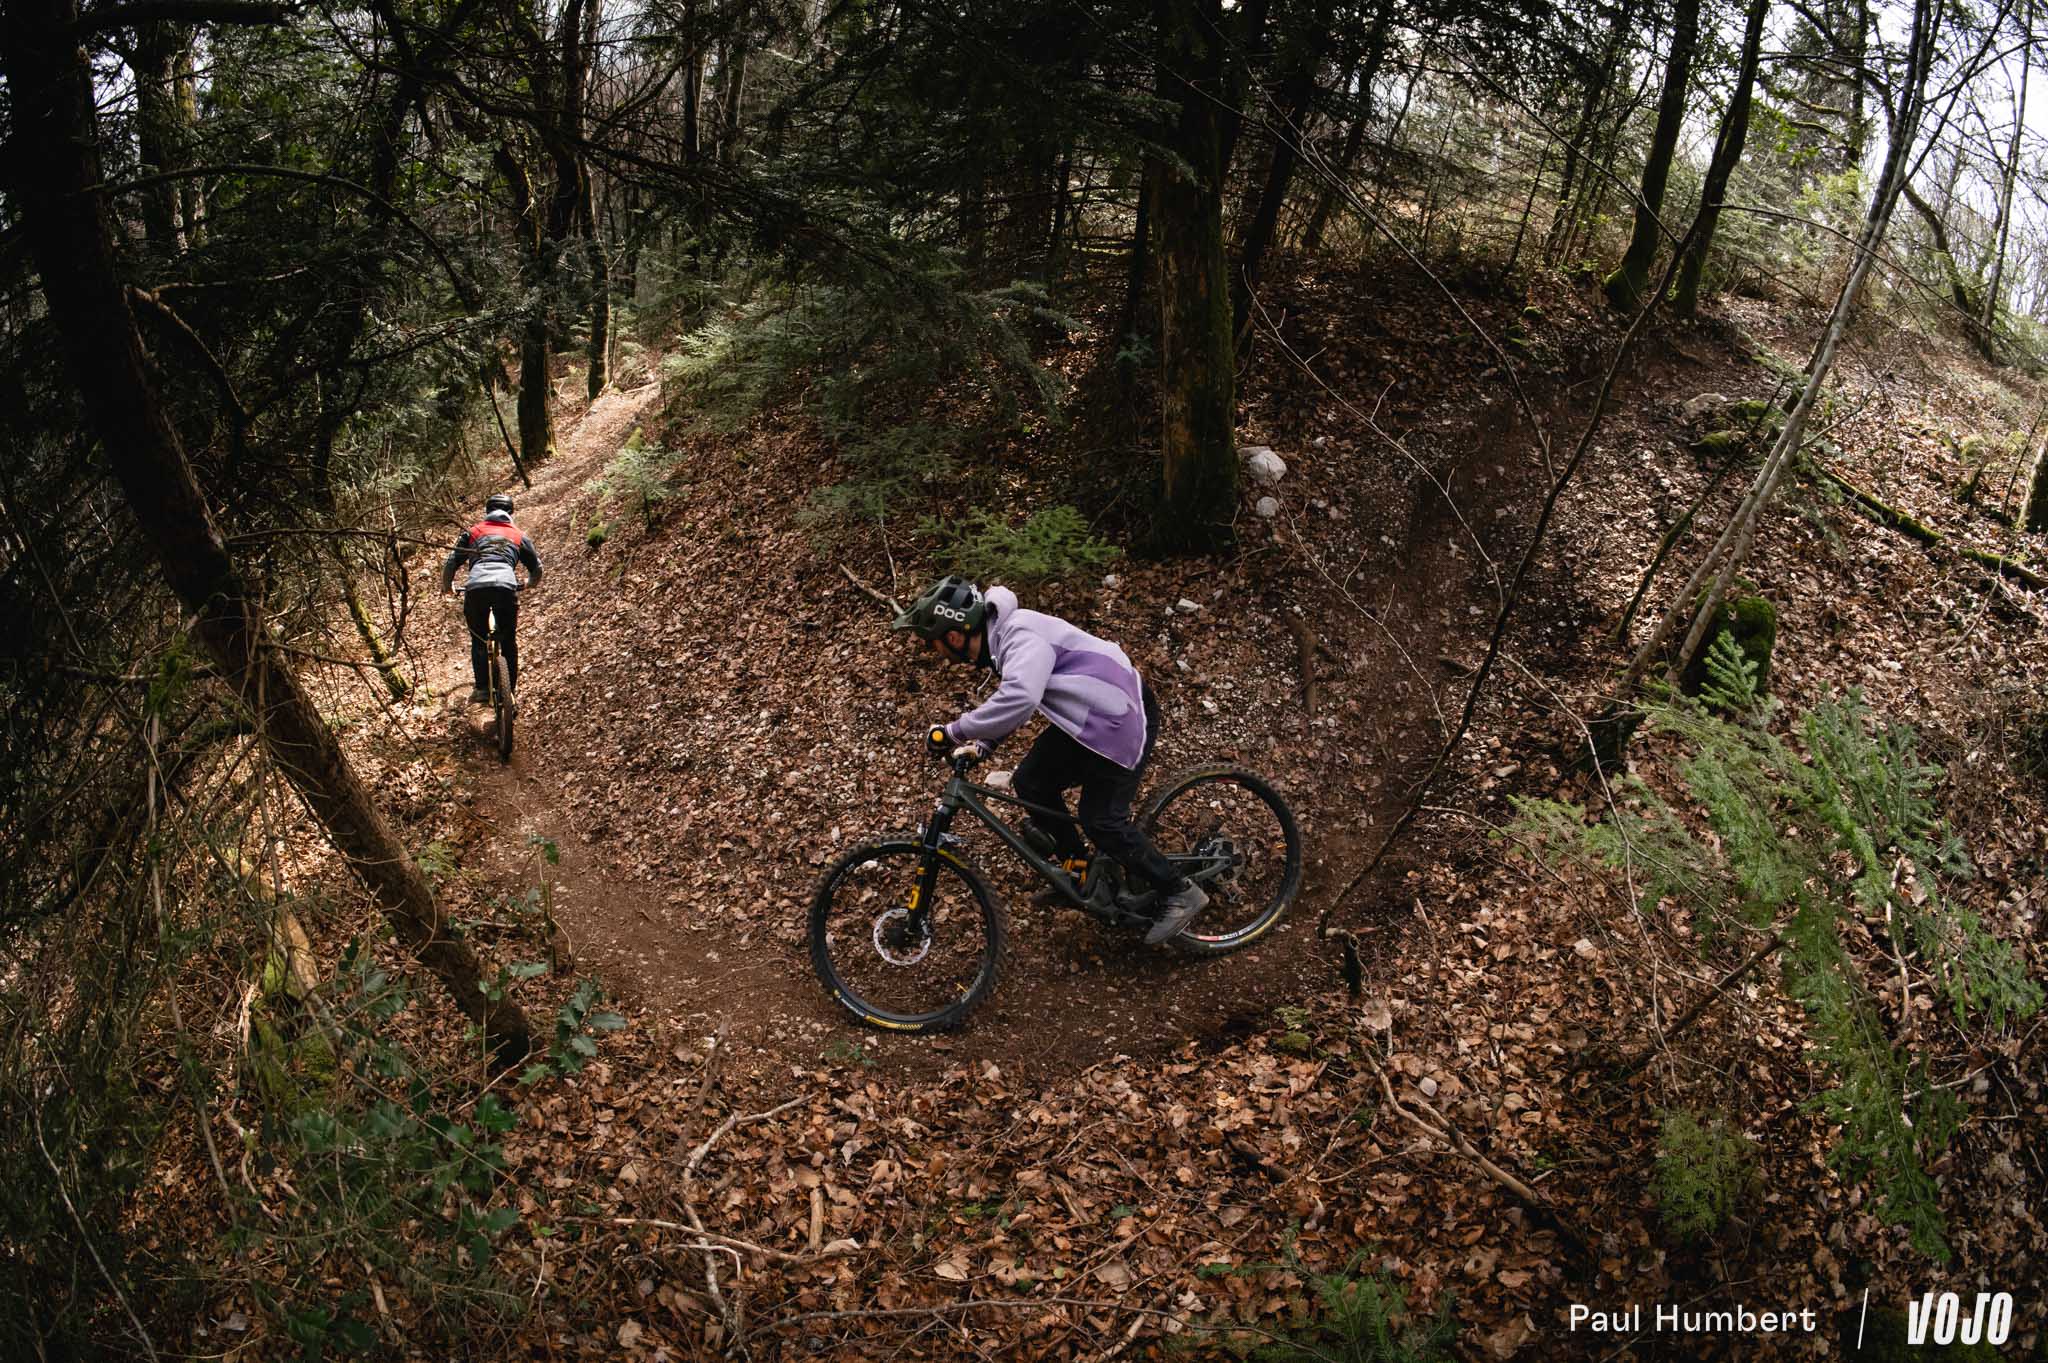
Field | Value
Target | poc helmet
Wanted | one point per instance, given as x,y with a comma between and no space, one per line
951,603
498,501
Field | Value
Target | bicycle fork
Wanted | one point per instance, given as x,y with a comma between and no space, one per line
935,841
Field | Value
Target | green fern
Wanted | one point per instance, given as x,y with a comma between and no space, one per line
1703,1169
1361,1318
1731,676
1843,825
1050,543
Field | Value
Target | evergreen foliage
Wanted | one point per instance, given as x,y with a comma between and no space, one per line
1050,543
1828,829
1364,1318
1703,1169
641,474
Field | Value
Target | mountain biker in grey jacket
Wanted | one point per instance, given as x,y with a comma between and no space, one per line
493,548
1104,721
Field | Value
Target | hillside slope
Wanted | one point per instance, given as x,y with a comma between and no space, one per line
1126,1145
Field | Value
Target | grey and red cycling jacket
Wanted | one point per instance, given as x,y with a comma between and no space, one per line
493,548
1083,684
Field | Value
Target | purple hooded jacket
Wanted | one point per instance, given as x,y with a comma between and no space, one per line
1083,684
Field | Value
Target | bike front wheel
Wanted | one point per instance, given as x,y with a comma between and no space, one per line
1235,837
894,960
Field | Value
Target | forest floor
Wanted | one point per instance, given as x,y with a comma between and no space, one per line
1130,1154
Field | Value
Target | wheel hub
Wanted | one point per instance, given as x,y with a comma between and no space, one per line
898,939
1216,847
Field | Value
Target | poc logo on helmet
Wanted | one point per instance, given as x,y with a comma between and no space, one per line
941,608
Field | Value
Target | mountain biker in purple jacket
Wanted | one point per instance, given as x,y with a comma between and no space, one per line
1104,721
493,548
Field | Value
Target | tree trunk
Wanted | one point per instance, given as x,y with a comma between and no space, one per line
536,417
2012,171
1198,372
732,79
1577,156
2034,516
1727,153
1625,286
1354,140
366,629
161,134
1140,259
1297,95
54,168
599,351
693,81
1528,207
1962,289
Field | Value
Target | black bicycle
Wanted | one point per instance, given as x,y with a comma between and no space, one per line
499,675
906,935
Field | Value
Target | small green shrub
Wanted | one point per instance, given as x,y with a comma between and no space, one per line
888,468
641,474
577,1026
1052,543
1810,838
384,1157
1703,1170
1742,636
1361,1318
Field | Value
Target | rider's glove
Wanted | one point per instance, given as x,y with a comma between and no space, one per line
973,748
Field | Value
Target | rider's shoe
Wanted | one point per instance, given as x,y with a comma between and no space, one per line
1176,911
479,696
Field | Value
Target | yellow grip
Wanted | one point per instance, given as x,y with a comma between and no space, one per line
938,735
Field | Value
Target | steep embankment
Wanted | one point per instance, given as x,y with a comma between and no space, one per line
711,709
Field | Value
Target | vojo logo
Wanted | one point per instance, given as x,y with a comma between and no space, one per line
1942,1317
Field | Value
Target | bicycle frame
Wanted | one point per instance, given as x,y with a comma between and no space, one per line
962,794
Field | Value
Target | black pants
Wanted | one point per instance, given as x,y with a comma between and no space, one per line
1056,764
479,604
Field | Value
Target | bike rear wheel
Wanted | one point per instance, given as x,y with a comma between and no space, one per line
870,955
501,702
1236,837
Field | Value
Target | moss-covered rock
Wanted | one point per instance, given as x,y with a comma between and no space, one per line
1723,442
1753,623
1755,414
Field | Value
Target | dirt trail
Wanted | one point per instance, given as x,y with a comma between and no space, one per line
694,754
615,920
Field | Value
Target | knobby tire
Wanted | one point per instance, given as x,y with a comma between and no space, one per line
843,924
501,700
1276,863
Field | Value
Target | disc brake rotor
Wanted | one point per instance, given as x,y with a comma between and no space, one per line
892,938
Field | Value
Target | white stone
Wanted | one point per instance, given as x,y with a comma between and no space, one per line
1693,409
1267,507
1187,607
1110,579
1265,467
